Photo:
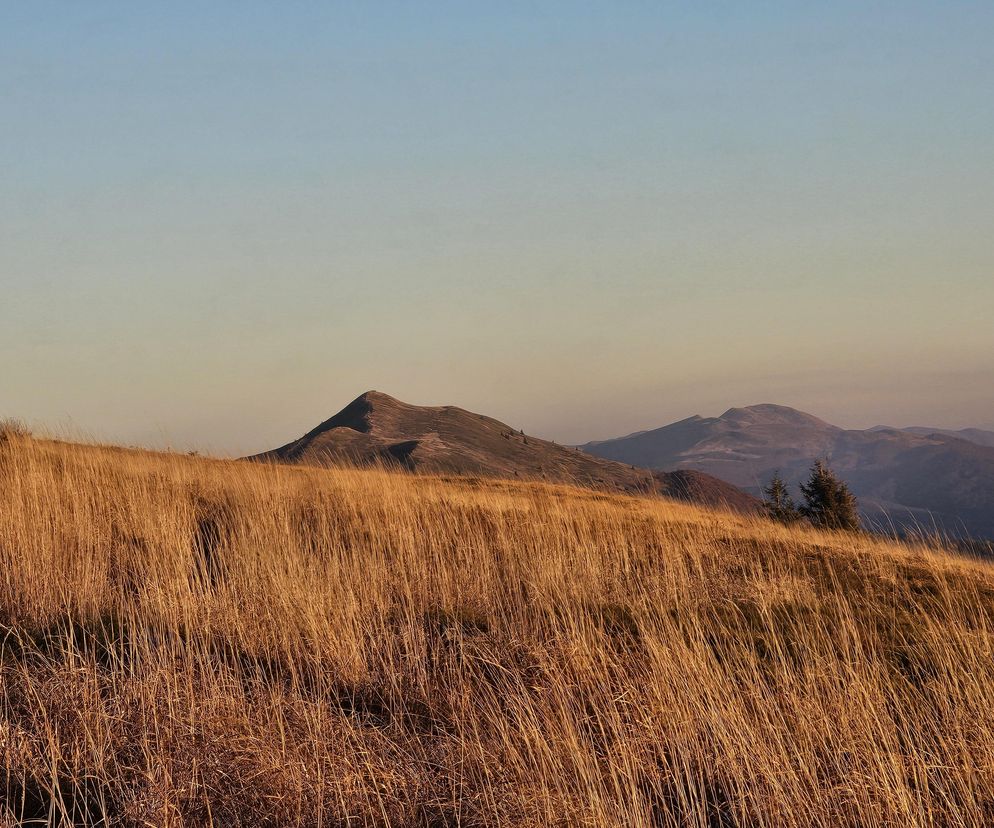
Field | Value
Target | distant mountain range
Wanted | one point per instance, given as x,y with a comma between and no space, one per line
909,479
376,429
971,435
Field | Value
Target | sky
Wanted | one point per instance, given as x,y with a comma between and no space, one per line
219,223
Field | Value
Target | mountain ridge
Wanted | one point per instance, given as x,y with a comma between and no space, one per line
377,429
980,436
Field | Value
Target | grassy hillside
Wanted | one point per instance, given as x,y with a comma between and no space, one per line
190,642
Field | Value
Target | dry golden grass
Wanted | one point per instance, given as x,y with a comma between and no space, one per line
191,642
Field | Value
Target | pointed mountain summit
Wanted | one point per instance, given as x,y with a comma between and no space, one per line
360,414
377,430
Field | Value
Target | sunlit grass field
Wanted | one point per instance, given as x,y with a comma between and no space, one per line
194,642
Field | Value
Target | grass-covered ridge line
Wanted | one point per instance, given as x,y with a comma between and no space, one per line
188,642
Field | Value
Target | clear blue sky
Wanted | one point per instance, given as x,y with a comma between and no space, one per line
219,222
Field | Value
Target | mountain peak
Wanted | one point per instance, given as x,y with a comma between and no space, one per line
771,414
357,415
374,396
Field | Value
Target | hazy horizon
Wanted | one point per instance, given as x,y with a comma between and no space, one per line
221,225
161,437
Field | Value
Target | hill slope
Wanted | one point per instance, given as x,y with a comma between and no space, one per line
196,642
903,478
376,429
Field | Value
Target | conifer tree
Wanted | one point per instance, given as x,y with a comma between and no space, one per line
778,503
828,503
